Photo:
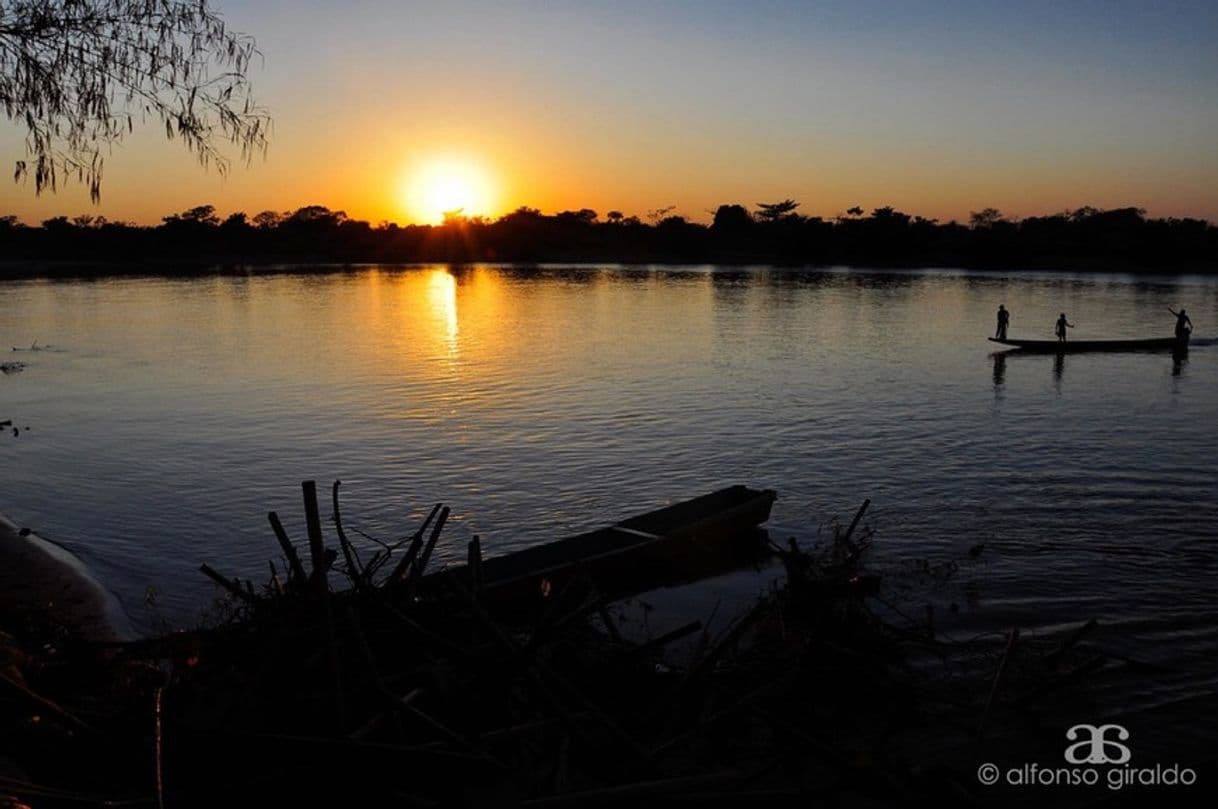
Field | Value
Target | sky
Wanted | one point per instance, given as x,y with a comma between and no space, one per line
393,110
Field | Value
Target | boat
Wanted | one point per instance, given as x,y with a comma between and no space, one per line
43,584
1075,346
681,542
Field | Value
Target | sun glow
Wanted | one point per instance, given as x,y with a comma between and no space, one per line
438,187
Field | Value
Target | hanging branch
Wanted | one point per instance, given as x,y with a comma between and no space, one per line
77,74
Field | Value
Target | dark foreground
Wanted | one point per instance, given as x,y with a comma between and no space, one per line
411,689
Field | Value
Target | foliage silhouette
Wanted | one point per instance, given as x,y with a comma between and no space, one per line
774,211
79,74
1086,238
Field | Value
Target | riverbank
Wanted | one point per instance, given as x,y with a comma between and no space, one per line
357,682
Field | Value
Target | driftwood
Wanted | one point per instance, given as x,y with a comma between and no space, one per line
296,569
405,564
355,568
1012,637
232,587
321,587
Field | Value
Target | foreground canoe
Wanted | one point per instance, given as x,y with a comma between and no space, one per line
45,587
1074,346
681,542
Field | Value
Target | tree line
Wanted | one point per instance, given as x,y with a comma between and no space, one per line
1085,238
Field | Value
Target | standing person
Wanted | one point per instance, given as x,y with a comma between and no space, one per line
1184,326
1062,325
1004,319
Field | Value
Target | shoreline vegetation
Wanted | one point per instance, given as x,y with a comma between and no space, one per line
345,679
1085,239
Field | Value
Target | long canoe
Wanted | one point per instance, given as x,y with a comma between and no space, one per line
1074,346
693,538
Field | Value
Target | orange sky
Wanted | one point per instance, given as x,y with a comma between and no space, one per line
1030,111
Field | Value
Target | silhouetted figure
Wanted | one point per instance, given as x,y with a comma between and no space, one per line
1004,319
1184,326
1062,325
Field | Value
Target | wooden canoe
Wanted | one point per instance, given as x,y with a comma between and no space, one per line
1074,346
681,542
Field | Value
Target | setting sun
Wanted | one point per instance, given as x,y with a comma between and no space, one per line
439,186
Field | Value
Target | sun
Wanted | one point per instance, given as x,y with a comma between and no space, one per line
438,186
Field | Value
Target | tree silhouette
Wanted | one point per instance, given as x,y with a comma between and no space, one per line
584,216
79,75
268,220
985,218
1087,238
200,215
889,215
657,215
731,218
774,211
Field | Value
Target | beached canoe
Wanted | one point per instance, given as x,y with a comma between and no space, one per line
45,587
681,542
1075,346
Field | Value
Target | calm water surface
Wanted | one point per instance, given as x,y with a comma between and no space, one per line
173,413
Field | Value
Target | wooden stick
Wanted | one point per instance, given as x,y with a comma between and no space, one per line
351,556
560,769
416,544
296,570
610,626
605,796
540,673
406,703
725,641
1002,665
855,522
750,701
317,550
556,606
42,702
420,564
474,562
317,545
229,585
436,639
522,729
158,747
338,745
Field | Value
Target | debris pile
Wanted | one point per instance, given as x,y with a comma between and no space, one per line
416,689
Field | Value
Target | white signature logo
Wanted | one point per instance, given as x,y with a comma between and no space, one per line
1096,747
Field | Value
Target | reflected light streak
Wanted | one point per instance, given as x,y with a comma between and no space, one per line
442,301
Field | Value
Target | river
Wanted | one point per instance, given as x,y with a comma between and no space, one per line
163,417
